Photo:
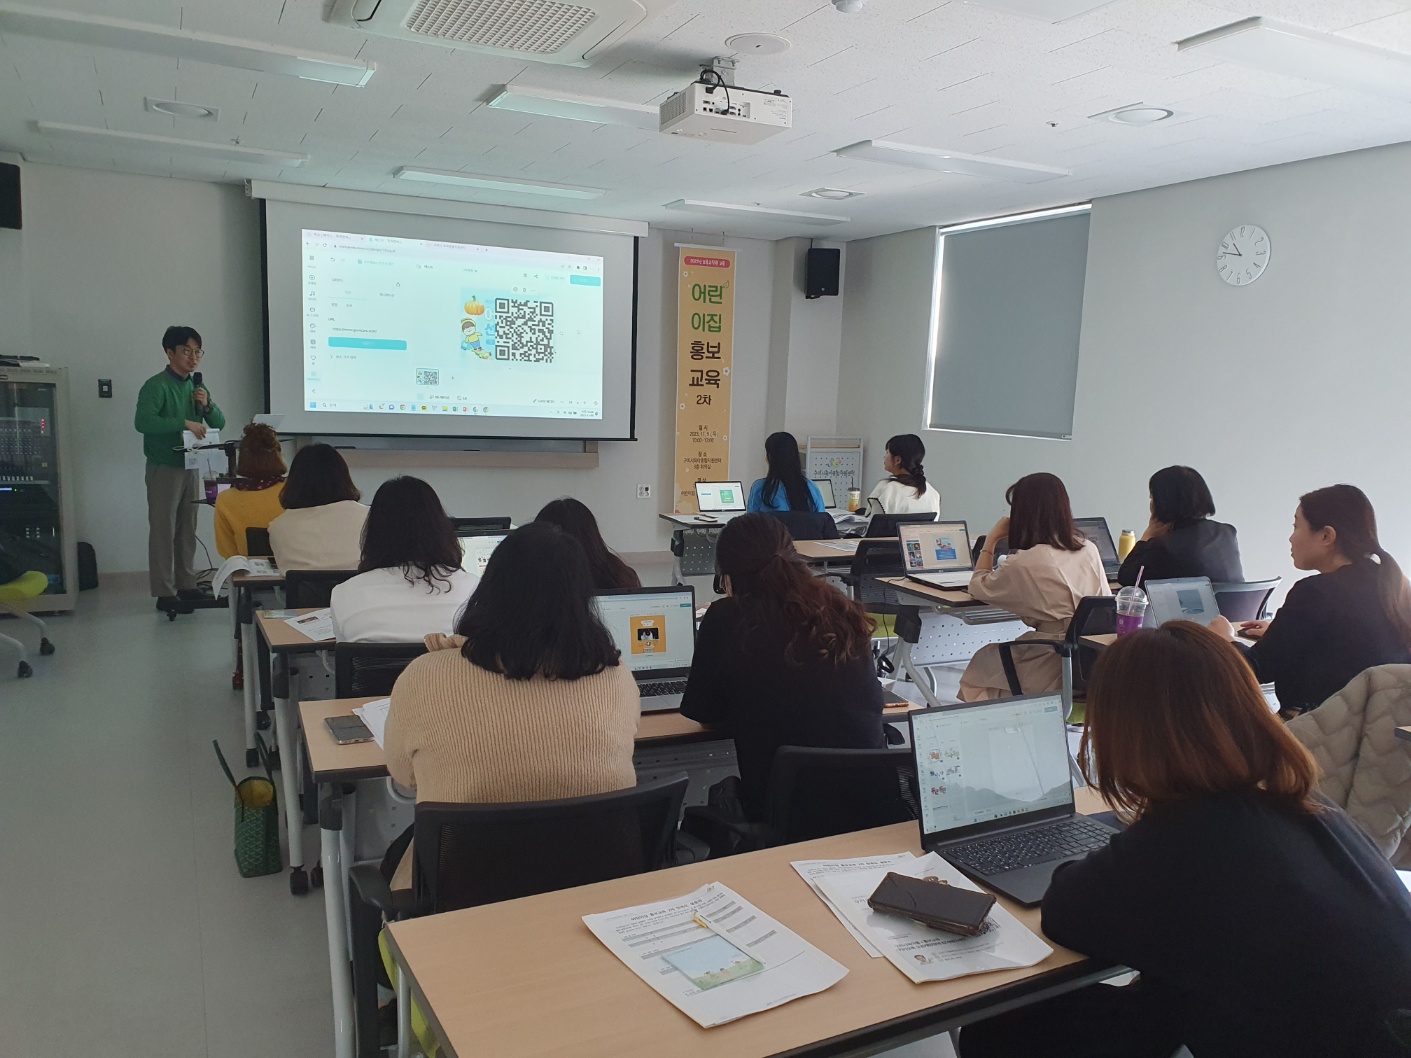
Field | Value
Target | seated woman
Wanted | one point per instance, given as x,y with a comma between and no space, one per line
1355,614
783,660
1264,923
1182,539
609,572
905,490
784,487
252,501
410,583
322,523
1050,567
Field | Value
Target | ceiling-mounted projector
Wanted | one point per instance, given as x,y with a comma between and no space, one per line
711,108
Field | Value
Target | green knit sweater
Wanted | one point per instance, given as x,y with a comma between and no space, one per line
164,405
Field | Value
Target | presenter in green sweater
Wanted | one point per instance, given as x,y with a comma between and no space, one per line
168,403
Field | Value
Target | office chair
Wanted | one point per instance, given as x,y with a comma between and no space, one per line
257,543
313,587
1095,615
470,526
361,670
807,525
1244,600
871,560
15,596
469,855
886,524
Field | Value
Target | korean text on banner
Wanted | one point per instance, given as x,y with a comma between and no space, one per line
705,338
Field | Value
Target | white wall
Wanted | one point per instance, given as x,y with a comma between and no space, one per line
1295,382
805,346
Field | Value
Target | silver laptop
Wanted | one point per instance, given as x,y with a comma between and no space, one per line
1182,599
722,500
476,549
825,489
1095,529
936,553
997,795
655,628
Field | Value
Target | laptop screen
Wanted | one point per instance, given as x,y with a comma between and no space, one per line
475,550
719,496
654,628
1095,529
825,489
930,547
1182,599
991,761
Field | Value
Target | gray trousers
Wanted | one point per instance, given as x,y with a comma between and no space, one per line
172,494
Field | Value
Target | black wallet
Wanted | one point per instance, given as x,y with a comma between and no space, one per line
933,903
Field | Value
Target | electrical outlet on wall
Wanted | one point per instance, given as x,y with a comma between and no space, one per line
644,492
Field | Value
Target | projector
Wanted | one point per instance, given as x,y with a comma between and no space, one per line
726,113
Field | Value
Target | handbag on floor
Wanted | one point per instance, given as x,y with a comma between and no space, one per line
256,818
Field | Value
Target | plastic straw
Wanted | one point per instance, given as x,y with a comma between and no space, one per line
1140,574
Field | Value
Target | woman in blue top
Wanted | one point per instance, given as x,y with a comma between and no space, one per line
784,488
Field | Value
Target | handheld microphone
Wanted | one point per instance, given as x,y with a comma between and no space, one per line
195,385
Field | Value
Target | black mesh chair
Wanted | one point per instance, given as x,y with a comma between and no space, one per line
361,670
468,855
886,524
871,560
807,525
257,543
468,526
1095,615
1244,600
313,587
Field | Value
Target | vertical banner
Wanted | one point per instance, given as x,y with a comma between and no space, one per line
705,339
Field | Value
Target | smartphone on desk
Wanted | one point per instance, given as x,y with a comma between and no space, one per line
347,730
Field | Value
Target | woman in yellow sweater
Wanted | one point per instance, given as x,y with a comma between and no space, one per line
252,502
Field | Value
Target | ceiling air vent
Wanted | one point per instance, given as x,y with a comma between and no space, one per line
571,34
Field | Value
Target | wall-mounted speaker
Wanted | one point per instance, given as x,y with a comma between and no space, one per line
821,266
10,216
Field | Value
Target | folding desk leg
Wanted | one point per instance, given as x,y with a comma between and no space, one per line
331,842
404,1012
252,680
289,777
923,685
347,843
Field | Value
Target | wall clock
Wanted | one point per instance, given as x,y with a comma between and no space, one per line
1243,254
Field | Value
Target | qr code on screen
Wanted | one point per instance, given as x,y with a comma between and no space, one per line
524,330
428,377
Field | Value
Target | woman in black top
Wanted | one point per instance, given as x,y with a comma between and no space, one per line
784,660
1263,922
1182,540
575,519
1355,614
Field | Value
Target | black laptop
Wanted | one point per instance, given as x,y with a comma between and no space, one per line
1095,529
655,628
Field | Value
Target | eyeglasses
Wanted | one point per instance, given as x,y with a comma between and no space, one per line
190,354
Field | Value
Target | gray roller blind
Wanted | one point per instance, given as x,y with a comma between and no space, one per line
1010,310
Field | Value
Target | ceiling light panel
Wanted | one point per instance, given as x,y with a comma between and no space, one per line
497,183
157,146
943,161
572,107
1047,10
730,209
832,194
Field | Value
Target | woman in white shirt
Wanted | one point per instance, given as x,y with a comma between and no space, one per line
322,523
410,583
905,490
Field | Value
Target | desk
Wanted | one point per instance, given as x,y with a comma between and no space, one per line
526,978
825,551
1404,733
243,587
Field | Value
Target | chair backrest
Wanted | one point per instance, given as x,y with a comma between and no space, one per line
364,669
1244,600
257,543
313,587
1095,615
808,525
467,855
466,526
977,547
815,793
886,524
873,559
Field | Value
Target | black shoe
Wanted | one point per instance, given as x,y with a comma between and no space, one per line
174,604
193,594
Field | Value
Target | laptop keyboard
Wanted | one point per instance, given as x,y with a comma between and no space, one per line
1057,841
662,688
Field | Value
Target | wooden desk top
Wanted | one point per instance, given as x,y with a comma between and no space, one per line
280,638
1404,732
241,578
526,978
1105,639
827,551
951,597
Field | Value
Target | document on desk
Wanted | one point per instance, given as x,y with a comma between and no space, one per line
926,954
850,546
714,955
259,567
374,715
812,870
316,624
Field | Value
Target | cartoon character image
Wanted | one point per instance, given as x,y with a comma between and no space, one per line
470,339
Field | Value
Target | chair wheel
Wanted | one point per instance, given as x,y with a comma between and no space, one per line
45,647
24,670
252,758
316,876
274,760
298,882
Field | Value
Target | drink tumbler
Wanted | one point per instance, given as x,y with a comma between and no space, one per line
1131,610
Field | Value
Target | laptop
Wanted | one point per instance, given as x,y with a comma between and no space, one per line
997,794
722,500
936,553
1182,599
825,489
476,549
655,628
1095,529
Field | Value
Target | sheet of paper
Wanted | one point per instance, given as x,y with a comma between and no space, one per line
812,870
850,546
675,947
260,567
1405,877
926,954
211,462
316,624
374,715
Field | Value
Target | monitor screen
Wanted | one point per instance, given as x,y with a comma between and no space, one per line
825,489
475,551
1095,529
930,546
1183,599
986,762
653,629
720,496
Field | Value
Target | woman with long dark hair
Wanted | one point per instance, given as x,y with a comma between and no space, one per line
1355,614
574,518
322,523
1264,923
1050,567
783,659
905,489
1183,539
410,582
784,487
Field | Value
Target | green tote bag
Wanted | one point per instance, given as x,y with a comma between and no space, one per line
256,819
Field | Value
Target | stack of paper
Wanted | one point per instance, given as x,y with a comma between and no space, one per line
714,955
374,715
260,567
316,624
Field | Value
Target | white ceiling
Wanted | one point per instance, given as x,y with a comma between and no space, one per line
936,73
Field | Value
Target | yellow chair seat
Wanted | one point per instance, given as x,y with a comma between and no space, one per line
27,586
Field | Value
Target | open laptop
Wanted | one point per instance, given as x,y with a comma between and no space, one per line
476,549
721,500
997,794
825,489
1182,599
936,553
655,628
1095,529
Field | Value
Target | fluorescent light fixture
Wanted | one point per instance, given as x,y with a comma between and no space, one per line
152,145
1277,47
496,183
177,109
1048,10
943,161
832,194
1015,218
546,103
729,209
102,32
